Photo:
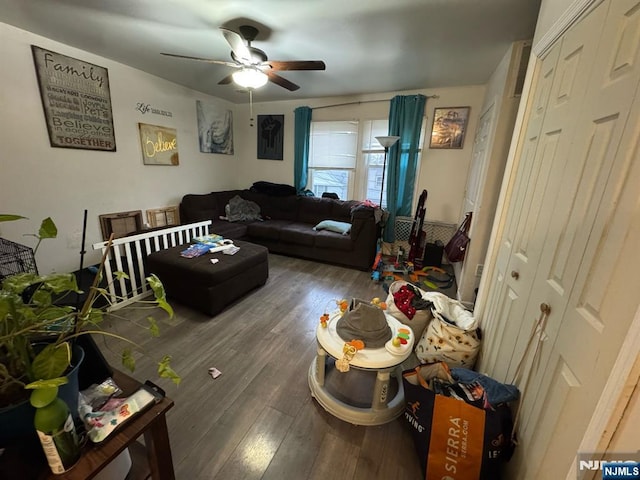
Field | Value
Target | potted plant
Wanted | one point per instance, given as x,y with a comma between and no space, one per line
32,306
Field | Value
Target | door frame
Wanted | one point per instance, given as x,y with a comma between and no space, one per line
625,375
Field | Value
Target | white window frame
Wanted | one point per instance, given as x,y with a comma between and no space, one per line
357,186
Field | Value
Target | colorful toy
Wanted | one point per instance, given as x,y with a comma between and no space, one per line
343,305
437,278
349,350
379,303
403,336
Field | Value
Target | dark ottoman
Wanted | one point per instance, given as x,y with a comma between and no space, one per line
208,287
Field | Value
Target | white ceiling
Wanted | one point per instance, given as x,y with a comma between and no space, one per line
368,46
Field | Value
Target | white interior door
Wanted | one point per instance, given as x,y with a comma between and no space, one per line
474,192
478,170
572,228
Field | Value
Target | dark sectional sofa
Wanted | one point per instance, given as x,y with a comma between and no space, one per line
287,226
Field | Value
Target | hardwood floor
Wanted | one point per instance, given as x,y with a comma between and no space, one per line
258,419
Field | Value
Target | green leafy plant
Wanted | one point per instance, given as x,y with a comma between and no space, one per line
33,306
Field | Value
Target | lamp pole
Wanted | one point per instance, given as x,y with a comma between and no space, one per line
386,142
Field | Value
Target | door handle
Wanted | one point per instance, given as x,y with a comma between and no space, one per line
545,309
515,275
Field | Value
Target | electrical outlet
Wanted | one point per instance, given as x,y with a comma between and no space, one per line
479,269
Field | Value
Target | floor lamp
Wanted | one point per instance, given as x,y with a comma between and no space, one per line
387,142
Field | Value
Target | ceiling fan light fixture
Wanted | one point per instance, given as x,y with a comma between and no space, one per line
250,78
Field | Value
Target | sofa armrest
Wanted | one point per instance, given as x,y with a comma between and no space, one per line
363,222
198,207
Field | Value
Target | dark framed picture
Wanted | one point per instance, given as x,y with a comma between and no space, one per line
449,127
270,136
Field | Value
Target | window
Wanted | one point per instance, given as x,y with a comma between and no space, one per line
337,165
332,158
373,156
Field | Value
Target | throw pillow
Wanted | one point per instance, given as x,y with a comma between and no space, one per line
334,226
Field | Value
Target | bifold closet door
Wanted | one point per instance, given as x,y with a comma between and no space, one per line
571,237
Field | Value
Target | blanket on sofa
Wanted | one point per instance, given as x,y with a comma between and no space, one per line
239,210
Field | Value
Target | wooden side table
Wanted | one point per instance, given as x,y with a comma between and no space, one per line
151,424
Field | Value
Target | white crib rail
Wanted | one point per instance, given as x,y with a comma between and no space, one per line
131,249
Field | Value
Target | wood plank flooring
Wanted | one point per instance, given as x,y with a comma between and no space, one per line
258,420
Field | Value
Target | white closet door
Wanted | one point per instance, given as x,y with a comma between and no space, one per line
571,236
505,301
588,269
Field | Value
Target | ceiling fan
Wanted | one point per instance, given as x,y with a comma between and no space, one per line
253,68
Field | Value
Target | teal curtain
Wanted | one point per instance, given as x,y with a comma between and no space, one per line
301,148
405,120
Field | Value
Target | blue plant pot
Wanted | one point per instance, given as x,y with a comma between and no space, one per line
16,421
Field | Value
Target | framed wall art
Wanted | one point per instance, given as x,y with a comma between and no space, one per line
270,137
120,224
215,128
76,100
159,145
449,127
163,217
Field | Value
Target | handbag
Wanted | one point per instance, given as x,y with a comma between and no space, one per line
457,246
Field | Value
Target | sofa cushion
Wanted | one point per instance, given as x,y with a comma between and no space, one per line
298,233
271,229
343,210
339,227
314,209
276,208
229,229
334,241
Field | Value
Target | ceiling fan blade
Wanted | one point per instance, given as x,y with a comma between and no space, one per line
207,60
297,65
283,82
236,42
226,80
